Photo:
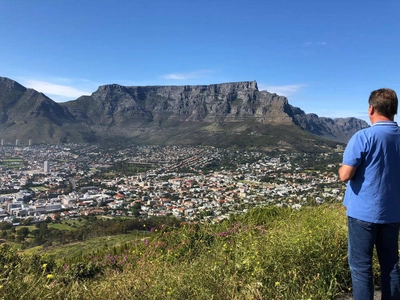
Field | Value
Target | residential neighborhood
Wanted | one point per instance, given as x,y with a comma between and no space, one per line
203,184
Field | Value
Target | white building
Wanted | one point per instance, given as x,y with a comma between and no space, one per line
46,167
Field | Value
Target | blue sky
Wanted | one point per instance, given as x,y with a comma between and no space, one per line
324,56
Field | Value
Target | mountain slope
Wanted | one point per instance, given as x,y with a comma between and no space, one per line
227,114
26,114
232,108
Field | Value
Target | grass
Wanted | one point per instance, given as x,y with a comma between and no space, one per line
13,160
39,188
62,226
13,163
80,250
268,253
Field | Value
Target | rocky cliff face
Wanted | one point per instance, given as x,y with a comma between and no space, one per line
205,114
227,102
163,106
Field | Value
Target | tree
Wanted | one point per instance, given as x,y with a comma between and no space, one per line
5,225
27,221
57,217
23,231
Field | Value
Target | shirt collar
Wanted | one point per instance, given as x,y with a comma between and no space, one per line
385,123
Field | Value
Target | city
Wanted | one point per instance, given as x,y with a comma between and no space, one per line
203,184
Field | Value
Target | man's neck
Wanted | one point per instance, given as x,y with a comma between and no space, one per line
379,118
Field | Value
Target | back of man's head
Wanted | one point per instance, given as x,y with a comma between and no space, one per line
384,101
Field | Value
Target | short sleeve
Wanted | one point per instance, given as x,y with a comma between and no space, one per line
355,150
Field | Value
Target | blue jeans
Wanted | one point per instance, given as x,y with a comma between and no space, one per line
363,236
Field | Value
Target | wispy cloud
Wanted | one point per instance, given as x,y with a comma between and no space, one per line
50,88
333,114
315,44
187,75
283,90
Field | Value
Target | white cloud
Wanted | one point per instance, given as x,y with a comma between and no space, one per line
333,114
176,76
49,88
283,90
315,43
188,75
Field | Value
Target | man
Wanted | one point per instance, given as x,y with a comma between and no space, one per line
371,168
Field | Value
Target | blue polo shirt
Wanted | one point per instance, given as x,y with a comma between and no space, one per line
373,194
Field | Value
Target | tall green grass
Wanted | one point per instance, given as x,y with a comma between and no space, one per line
268,253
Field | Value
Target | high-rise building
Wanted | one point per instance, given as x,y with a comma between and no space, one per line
30,142
17,142
46,167
3,142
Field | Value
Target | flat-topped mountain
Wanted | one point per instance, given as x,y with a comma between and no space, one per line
227,114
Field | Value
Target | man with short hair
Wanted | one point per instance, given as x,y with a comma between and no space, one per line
371,168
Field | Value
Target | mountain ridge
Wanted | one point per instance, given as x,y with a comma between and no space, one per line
215,114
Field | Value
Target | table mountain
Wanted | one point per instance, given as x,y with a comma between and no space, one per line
227,114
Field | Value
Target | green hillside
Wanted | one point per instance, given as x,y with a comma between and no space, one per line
268,253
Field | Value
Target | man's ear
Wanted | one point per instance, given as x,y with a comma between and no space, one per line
371,110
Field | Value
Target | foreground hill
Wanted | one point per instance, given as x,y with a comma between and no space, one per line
267,253
227,114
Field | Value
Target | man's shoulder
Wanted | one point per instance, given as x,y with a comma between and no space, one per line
362,133
375,129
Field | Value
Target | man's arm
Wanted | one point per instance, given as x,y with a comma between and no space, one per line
346,172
